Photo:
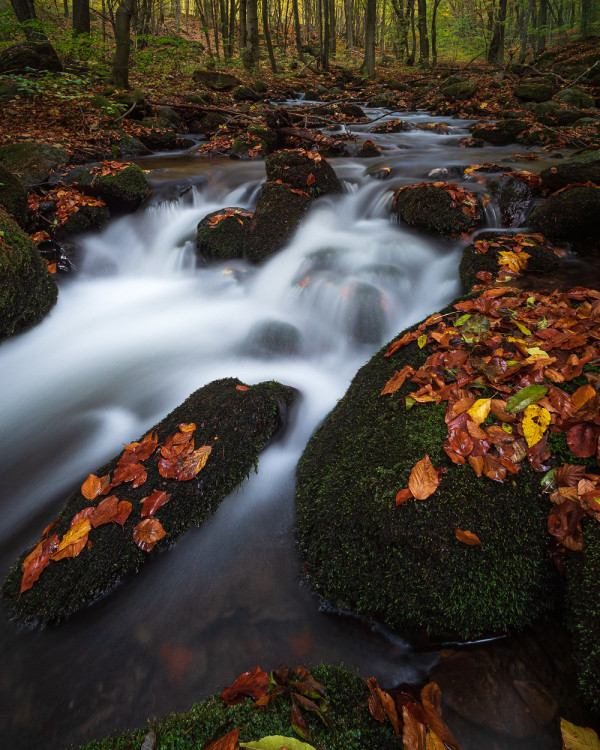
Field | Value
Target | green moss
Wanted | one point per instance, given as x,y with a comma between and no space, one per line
296,169
27,291
579,168
225,240
534,91
124,190
572,214
430,208
353,728
33,162
238,424
108,108
13,196
583,611
403,564
460,91
541,260
504,132
160,135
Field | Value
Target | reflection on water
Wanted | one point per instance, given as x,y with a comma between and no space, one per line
137,329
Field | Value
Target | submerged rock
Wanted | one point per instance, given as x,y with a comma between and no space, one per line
569,215
236,421
434,209
273,338
32,162
27,291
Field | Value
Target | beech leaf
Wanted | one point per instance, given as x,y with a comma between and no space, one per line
523,398
74,540
480,409
578,738
424,479
147,533
105,512
153,502
228,742
535,423
37,561
249,684
467,537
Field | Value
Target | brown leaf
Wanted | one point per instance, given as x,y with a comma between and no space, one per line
85,513
253,684
381,704
397,380
74,540
105,512
93,486
569,475
147,533
123,511
298,722
582,439
37,561
153,502
413,732
402,496
423,480
228,742
194,463
467,537
310,180
582,395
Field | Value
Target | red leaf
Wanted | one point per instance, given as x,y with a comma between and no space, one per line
241,388
37,561
403,496
153,502
582,439
105,512
310,180
123,511
93,486
253,684
148,533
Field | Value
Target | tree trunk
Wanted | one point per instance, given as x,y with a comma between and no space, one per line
81,17
349,29
231,32
436,4
297,30
326,35
368,65
25,13
267,30
332,44
243,27
252,56
423,38
120,66
496,49
413,52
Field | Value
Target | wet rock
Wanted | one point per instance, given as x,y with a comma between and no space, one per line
30,55
352,110
27,291
504,132
245,94
130,147
576,97
314,175
513,196
13,196
569,215
460,91
431,208
368,150
122,190
273,338
366,319
389,126
87,218
237,423
533,90
403,564
579,168
221,235
260,87
160,135
32,162
278,213
215,80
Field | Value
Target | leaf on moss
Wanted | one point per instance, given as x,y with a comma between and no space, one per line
467,537
148,533
252,684
424,479
74,540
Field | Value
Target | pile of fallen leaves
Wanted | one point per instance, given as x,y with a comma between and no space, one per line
65,201
522,347
512,254
460,197
177,459
225,214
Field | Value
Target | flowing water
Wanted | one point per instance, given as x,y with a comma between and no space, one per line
136,329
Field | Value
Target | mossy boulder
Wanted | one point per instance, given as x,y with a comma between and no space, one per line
32,55
158,135
32,162
582,167
245,94
84,220
583,611
368,150
576,97
513,196
214,80
431,208
13,196
278,213
403,565
108,108
352,110
569,215
211,121
168,113
313,175
554,113
389,126
533,91
460,90
121,190
238,423
502,133
352,727
27,291
129,147
221,235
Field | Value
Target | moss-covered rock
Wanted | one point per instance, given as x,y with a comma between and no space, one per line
158,135
122,190
313,175
579,168
221,235
239,423
107,107
389,126
245,94
215,80
569,215
278,213
352,110
502,133
32,162
583,611
130,147
431,208
533,91
576,97
87,218
513,196
353,728
13,195
368,150
22,58
460,91
27,291
403,564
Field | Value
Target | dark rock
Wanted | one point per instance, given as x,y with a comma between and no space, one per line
260,87
169,114
352,110
533,90
87,218
273,338
13,196
245,94
123,190
215,80
207,97
134,103
130,147
570,215
502,133
276,219
369,150
460,91
366,319
428,207
576,97
389,126
239,423
32,162
297,170
579,168
27,291
514,197
211,121
223,239
34,55
161,135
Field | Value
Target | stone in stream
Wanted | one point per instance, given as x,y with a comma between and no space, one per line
273,338
236,421
368,150
568,215
122,189
514,197
32,162
403,564
27,291
502,133
430,207
221,235
583,167
534,90
303,170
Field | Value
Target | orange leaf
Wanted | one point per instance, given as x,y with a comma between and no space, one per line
147,533
413,732
241,388
193,463
423,480
582,396
153,502
93,486
403,496
37,561
123,511
105,512
310,180
381,704
228,742
397,380
253,684
467,537
74,540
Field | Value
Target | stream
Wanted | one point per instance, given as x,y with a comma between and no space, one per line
137,328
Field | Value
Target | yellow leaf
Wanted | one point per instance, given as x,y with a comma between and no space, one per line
433,742
514,261
480,409
422,340
578,738
74,540
535,423
524,330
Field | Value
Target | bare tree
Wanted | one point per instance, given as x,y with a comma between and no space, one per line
122,26
368,65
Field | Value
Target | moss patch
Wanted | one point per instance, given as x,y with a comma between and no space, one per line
124,190
314,176
237,423
579,168
431,208
572,214
13,196
225,239
27,291
33,162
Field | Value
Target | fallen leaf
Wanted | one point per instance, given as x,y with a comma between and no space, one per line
147,533
123,511
93,486
37,561
413,732
480,409
153,502
275,742
402,496
74,540
397,380
523,398
578,738
467,537
535,423
241,388
381,704
193,463
423,480
253,684
228,742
